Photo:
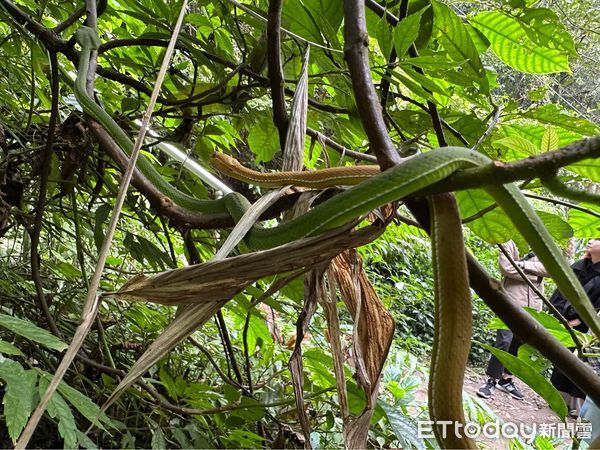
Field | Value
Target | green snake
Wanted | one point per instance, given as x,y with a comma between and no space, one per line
372,192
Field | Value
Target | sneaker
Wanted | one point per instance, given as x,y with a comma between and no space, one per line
507,385
487,390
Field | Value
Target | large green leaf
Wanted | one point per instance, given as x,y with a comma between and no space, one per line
512,45
32,332
517,147
8,349
456,40
297,18
383,32
434,61
557,227
549,140
82,403
328,14
585,225
533,379
19,395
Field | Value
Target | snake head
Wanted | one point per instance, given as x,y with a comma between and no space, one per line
224,163
87,38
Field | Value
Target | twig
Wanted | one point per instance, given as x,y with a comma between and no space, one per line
490,128
563,203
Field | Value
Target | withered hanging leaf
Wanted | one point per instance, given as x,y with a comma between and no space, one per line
220,280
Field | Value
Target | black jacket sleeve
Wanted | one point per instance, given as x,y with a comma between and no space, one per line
592,289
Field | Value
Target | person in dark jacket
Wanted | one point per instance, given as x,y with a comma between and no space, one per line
587,271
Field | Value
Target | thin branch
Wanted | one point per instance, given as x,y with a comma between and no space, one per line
563,203
45,157
339,147
490,128
275,69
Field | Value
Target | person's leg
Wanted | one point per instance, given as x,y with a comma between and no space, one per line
503,341
506,383
495,368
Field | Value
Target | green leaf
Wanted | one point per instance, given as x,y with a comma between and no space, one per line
158,439
318,368
430,62
494,226
263,140
585,225
58,409
328,14
455,38
85,441
557,227
589,168
517,147
413,86
406,32
511,44
32,332
543,27
425,81
254,412
403,427
533,379
8,349
534,358
553,326
101,217
83,404
19,396
549,140
384,37
296,18
554,115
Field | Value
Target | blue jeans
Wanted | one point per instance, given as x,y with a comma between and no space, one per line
591,412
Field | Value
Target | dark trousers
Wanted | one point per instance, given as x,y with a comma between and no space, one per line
507,342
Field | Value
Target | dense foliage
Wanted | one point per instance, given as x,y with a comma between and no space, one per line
515,78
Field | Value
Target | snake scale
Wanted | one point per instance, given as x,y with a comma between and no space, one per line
372,191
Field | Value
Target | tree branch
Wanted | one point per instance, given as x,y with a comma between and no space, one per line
356,52
275,70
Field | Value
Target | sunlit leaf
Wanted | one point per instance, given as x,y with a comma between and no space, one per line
512,45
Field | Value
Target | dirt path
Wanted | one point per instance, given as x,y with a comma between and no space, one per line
531,411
